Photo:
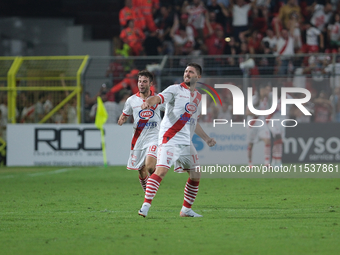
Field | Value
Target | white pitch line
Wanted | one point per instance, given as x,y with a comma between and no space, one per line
58,171
6,176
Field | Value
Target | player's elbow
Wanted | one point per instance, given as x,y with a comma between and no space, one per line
158,100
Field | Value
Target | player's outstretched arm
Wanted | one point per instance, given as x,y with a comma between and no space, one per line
201,133
150,102
122,119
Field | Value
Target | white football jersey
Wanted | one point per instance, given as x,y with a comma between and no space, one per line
146,122
181,114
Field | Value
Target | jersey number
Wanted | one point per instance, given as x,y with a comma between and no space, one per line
195,158
153,148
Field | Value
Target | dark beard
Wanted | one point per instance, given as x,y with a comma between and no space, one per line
146,93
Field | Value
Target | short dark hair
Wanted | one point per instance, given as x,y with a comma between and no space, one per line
266,44
197,67
146,73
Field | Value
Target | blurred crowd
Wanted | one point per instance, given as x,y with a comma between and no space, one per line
216,27
227,30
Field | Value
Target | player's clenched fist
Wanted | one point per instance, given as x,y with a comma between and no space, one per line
145,105
122,119
211,142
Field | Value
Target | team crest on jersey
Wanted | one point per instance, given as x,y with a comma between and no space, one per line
190,108
146,114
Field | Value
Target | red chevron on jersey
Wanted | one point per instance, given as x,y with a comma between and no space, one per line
176,127
139,129
144,118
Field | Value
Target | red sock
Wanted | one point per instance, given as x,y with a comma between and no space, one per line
143,182
190,192
151,188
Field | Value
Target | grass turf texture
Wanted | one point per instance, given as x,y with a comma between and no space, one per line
94,211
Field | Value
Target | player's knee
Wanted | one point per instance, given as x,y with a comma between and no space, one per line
195,176
195,179
150,169
161,171
143,173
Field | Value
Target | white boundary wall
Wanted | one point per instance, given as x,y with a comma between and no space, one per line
66,145
231,146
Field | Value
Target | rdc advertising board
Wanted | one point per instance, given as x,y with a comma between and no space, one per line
66,145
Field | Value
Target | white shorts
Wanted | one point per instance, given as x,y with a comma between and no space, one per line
255,134
137,157
183,157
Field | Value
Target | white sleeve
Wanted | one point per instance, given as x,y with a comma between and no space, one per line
127,110
168,94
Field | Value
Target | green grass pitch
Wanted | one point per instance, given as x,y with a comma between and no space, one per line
93,210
